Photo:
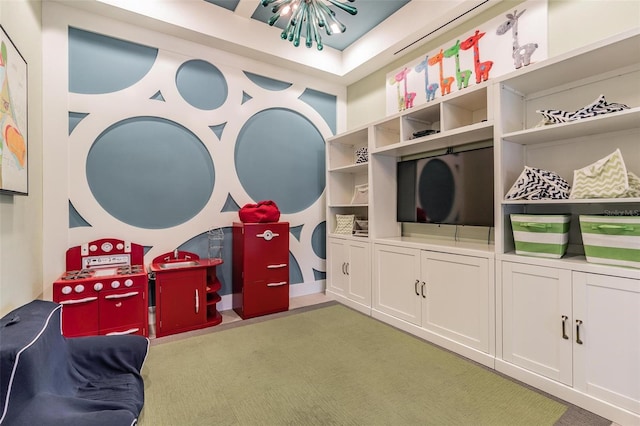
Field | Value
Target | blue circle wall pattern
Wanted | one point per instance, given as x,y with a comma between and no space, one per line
150,172
279,156
201,84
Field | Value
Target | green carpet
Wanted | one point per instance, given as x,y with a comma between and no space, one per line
328,366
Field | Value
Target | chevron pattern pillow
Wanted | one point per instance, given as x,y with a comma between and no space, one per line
606,178
344,224
634,187
538,184
597,107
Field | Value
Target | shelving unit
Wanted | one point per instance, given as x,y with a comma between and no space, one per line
515,336
594,305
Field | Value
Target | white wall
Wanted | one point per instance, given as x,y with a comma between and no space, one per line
571,24
59,187
21,216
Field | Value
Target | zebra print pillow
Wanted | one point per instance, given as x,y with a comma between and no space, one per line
597,107
538,184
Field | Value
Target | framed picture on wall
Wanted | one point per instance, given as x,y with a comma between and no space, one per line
13,118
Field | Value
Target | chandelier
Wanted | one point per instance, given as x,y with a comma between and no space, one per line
313,15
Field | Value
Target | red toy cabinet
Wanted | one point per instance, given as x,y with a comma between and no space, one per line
260,268
186,292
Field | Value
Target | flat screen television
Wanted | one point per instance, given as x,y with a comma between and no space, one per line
452,188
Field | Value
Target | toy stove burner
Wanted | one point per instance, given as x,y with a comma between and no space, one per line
76,275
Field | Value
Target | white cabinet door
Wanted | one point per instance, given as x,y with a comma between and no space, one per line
337,266
396,289
536,319
359,273
607,352
456,302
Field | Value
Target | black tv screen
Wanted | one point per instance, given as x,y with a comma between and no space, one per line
455,188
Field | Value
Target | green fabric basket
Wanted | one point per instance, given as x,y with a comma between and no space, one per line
541,235
611,240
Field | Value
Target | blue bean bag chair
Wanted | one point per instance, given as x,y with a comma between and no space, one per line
47,379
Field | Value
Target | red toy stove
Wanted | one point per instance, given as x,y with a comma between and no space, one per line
104,290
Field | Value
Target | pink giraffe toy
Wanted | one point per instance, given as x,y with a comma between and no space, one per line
430,89
482,68
521,53
445,83
408,96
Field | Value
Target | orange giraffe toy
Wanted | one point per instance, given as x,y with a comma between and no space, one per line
482,68
445,83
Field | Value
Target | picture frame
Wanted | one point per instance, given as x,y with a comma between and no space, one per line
14,161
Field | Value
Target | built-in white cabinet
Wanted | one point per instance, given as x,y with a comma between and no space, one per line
572,322
349,267
537,328
580,329
606,326
566,326
447,295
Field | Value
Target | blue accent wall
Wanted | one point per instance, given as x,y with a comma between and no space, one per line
175,142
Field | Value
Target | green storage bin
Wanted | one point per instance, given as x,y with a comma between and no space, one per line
611,240
541,235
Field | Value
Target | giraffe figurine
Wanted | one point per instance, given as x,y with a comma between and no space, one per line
430,89
521,54
462,77
481,68
408,96
445,83
392,81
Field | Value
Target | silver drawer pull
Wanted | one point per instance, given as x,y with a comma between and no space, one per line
120,333
268,235
122,296
277,284
76,301
281,265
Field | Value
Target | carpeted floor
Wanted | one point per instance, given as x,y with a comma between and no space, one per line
330,365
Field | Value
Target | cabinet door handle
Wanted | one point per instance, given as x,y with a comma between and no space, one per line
122,296
268,235
277,284
415,287
280,265
347,264
343,270
76,301
422,290
120,333
197,301
564,322
578,324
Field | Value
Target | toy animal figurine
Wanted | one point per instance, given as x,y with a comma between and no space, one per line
462,77
481,68
430,89
408,96
445,83
521,54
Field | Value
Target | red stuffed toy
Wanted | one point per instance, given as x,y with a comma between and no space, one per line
264,211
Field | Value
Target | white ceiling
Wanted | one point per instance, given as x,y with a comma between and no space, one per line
202,21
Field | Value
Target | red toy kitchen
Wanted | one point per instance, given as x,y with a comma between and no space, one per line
104,289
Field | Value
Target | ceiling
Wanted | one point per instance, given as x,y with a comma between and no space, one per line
379,33
370,13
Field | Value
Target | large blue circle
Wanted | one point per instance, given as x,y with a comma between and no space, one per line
150,172
201,84
279,156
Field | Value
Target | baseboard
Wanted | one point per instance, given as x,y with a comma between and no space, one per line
295,290
350,303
